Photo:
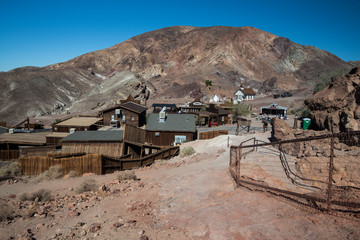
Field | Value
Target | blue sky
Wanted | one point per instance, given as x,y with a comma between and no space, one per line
39,33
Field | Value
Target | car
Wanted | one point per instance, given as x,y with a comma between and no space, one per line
276,95
286,94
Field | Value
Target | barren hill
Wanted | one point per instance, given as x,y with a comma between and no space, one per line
172,62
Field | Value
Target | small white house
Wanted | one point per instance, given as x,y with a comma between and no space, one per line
244,94
215,99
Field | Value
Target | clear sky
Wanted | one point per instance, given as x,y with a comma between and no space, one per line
39,33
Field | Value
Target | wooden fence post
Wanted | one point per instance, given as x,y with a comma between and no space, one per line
331,167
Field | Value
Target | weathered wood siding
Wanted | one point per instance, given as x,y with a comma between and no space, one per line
134,134
114,149
166,138
7,155
212,134
35,165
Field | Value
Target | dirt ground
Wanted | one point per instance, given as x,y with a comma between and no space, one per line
184,198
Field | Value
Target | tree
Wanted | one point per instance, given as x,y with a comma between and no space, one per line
241,110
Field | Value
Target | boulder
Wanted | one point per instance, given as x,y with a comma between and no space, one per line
337,107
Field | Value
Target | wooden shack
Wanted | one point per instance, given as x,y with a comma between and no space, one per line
55,138
157,107
109,143
129,113
170,129
78,124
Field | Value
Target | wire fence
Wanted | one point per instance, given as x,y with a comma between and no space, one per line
319,171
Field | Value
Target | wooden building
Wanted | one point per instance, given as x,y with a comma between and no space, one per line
170,129
222,116
157,107
78,124
244,94
273,109
109,143
192,107
129,112
55,138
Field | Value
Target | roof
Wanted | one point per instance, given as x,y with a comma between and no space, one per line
95,136
58,134
274,106
222,111
79,122
24,138
173,122
133,107
247,91
164,105
205,113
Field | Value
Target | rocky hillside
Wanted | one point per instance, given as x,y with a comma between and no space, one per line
171,62
337,107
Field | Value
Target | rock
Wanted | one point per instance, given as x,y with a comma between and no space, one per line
144,237
73,214
337,107
141,232
95,228
83,233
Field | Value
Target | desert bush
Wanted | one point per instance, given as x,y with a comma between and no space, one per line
72,174
187,151
303,112
10,170
54,172
241,110
86,185
6,212
42,195
127,175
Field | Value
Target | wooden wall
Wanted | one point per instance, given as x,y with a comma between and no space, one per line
67,128
212,134
113,149
134,134
8,155
166,138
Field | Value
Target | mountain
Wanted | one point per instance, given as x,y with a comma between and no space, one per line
171,62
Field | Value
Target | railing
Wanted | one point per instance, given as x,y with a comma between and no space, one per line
320,171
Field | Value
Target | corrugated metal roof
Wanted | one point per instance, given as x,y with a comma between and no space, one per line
173,122
95,136
79,122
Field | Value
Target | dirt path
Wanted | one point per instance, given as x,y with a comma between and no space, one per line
185,198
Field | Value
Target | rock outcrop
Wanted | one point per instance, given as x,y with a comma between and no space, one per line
337,107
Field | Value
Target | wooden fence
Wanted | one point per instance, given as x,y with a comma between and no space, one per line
8,155
212,134
112,164
95,163
35,165
134,134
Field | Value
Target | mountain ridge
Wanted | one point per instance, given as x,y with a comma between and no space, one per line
171,62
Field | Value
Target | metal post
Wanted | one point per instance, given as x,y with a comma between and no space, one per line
331,167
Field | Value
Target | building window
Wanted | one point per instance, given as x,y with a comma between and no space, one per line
222,118
132,118
157,134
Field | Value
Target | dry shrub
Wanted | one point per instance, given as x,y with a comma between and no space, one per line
187,151
6,212
54,172
127,175
72,174
86,185
10,170
41,195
